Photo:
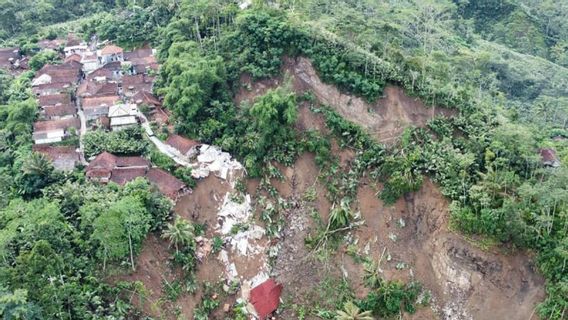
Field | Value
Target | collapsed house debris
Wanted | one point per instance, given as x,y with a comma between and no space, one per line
265,298
213,159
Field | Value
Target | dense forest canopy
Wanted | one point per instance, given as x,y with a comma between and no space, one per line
501,64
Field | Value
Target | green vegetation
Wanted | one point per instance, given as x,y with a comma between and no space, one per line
129,141
501,65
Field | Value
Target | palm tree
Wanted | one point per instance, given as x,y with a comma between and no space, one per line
37,165
180,233
352,312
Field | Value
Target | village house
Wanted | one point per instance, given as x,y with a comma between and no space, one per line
66,73
90,62
145,98
63,158
76,49
185,147
74,45
133,84
54,130
51,88
94,88
107,167
549,158
110,53
142,61
95,107
167,184
123,116
54,99
58,111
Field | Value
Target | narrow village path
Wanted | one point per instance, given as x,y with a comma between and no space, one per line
82,132
162,147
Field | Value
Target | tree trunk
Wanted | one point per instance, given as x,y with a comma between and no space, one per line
131,252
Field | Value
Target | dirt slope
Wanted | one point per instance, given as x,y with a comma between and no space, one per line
466,282
385,119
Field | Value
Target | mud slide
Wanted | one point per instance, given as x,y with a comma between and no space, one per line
414,240
466,282
384,119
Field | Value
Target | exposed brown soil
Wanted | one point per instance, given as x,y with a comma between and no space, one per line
466,282
412,236
385,119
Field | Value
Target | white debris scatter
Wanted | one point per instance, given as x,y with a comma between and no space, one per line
212,159
232,213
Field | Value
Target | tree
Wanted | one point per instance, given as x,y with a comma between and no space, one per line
42,58
180,233
352,312
119,228
36,174
16,305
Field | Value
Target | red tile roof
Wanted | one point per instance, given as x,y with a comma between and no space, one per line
131,80
111,49
59,110
548,157
50,125
55,152
67,72
92,88
74,57
53,99
104,161
99,101
122,176
100,72
145,97
182,144
166,183
63,157
51,88
132,162
265,298
138,53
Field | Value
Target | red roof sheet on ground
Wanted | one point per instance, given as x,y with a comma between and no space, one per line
266,297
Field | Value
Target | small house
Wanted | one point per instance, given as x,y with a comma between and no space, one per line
51,131
110,53
549,158
123,116
94,107
64,158
185,147
167,184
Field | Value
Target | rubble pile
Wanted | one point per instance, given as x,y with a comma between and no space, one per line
212,159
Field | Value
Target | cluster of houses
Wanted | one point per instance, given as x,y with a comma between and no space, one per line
107,167
97,86
98,81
